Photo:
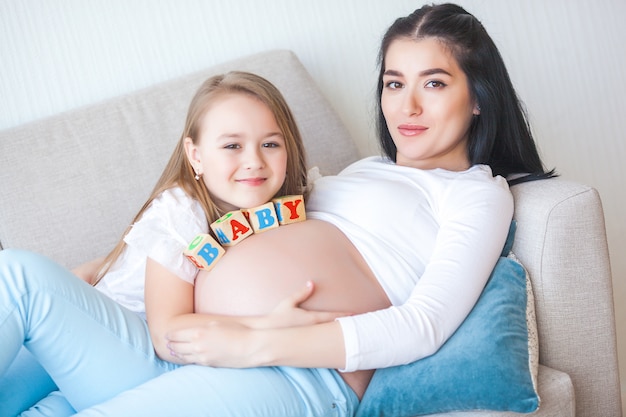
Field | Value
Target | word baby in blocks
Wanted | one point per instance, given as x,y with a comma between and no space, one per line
235,226
204,251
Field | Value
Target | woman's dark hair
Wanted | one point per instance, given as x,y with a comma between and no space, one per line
500,136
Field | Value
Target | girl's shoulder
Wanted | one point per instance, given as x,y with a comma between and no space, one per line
176,196
176,206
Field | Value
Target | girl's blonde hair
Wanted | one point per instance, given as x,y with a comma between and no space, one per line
179,171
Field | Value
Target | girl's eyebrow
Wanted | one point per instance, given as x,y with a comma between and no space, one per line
236,135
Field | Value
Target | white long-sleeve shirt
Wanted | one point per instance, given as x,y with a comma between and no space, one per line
431,237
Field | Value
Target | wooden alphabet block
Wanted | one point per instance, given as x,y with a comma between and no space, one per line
262,218
204,252
290,209
232,228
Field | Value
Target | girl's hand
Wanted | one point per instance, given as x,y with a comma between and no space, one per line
222,343
288,312
234,342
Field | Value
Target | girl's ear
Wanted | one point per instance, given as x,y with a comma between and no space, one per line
191,150
476,110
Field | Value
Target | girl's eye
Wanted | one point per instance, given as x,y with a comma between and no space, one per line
271,145
435,84
393,85
232,146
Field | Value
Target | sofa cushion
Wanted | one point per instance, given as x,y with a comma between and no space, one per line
487,364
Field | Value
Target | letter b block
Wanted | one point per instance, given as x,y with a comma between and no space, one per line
204,252
262,218
290,209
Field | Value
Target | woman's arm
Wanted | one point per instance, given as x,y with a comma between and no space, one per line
473,226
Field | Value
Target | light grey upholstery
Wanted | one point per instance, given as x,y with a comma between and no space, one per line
71,183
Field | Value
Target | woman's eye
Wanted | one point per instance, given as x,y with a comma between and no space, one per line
435,84
393,85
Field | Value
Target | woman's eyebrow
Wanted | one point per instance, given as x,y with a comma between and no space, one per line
424,73
393,73
434,71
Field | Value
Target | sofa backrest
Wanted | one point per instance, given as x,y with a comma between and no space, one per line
73,182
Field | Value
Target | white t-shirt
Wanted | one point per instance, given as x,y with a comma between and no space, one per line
171,221
431,237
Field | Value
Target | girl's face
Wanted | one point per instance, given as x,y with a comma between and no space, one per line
241,152
427,105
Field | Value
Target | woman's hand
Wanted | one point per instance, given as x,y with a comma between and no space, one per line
288,312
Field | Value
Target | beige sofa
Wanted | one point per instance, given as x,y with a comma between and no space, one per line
71,183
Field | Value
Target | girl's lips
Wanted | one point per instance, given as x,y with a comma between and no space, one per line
251,181
411,130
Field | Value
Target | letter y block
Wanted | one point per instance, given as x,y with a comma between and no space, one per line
290,209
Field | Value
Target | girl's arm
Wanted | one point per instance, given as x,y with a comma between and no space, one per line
87,271
230,344
169,308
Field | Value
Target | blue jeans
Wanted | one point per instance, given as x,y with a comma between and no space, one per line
201,391
27,386
95,349
92,347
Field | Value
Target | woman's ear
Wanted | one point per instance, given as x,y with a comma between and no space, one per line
476,110
191,150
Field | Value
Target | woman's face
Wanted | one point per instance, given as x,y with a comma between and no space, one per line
427,105
241,152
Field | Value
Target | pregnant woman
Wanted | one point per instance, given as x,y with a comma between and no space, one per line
404,243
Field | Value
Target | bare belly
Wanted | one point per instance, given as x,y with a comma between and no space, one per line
262,270
256,274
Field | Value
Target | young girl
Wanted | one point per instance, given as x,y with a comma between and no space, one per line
419,228
240,148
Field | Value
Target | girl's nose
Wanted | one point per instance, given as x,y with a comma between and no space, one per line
254,159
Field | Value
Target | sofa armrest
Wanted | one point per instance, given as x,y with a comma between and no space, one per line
561,239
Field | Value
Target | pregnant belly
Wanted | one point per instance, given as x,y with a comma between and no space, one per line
259,272
256,274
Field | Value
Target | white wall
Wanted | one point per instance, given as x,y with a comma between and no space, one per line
566,58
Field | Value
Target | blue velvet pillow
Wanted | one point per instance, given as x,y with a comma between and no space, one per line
485,365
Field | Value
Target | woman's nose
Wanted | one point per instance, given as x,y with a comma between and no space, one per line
411,103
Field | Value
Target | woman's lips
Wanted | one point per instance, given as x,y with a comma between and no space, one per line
411,130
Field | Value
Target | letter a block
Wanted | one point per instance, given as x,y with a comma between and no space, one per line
231,228
262,218
204,252
290,209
